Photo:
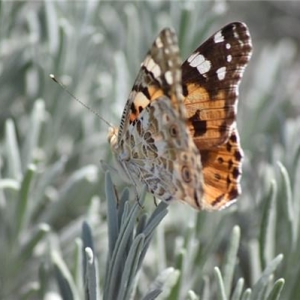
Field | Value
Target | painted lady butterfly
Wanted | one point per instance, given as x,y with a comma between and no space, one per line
178,133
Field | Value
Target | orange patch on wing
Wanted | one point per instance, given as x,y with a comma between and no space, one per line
210,120
195,93
210,109
155,92
211,130
201,97
213,114
133,116
141,100
222,173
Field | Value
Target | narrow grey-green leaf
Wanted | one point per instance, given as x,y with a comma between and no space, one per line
12,151
46,180
231,257
167,280
247,294
63,278
87,243
116,263
220,283
31,143
32,292
276,290
22,204
164,281
259,288
267,229
192,296
92,280
37,235
52,27
75,193
131,267
86,235
157,216
142,222
152,295
237,293
205,293
289,203
112,213
175,292
78,267
121,205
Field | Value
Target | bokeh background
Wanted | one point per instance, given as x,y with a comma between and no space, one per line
51,146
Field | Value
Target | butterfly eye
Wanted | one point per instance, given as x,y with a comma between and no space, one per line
186,174
173,130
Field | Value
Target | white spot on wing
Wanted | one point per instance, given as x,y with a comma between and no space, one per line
159,43
169,78
198,61
140,100
218,38
192,57
204,67
156,71
235,33
228,46
221,72
170,63
153,67
229,58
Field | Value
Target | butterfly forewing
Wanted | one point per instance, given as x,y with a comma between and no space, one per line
156,78
211,76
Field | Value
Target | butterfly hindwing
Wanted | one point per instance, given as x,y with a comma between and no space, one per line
222,171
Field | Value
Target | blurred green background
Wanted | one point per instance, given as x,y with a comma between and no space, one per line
51,146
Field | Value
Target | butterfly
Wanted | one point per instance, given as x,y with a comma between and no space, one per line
178,134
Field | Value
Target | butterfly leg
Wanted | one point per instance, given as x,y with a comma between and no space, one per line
138,201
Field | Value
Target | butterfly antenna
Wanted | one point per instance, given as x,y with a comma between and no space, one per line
79,101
